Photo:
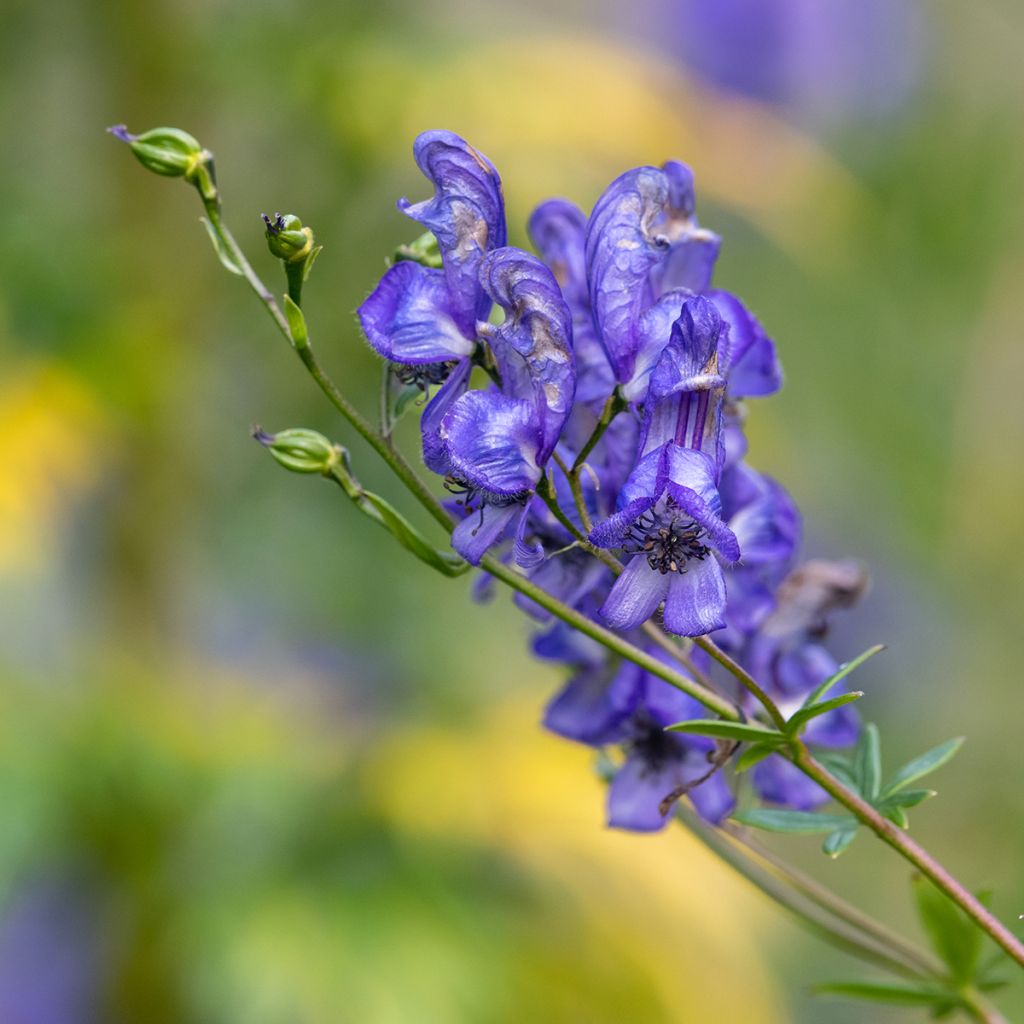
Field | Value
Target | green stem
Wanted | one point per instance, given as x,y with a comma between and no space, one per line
612,407
573,478
744,678
822,921
895,837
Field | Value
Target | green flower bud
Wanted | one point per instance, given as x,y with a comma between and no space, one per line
173,153
424,250
301,450
287,239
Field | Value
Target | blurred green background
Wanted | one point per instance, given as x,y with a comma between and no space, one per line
258,765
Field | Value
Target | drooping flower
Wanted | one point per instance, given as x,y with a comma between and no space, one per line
642,241
424,319
497,442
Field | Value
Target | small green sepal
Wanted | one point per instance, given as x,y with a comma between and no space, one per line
173,153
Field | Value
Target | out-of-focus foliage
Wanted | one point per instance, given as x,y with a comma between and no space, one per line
234,844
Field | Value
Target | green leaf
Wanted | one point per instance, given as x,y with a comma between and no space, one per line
921,766
310,260
754,754
908,798
445,562
811,711
836,842
296,323
844,670
952,934
223,254
725,730
893,993
896,815
867,763
800,822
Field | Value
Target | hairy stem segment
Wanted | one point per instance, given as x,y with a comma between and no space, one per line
801,757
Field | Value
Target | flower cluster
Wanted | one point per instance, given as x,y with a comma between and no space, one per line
604,455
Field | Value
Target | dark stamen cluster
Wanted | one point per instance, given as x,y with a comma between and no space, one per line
424,375
667,540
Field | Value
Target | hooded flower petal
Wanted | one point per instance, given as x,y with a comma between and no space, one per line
409,319
691,484
435,454
533,347
492,443
557,229
466,215
684,399
633,243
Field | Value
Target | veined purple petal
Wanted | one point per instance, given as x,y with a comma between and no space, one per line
482,529
533,347
466,215
623,245
747,355
653,331
525,554
695,604
435,453
557,229
635,595
492,442
408,318
684,399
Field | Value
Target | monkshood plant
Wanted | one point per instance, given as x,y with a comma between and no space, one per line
583,408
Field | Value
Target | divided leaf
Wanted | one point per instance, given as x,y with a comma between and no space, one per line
867,763
836,842
921,766
893,993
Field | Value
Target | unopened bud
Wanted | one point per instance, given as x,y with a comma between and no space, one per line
174,153
287,239
423,250
301,450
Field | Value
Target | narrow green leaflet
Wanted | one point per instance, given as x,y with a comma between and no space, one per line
754,754
839,765
798,822
952,934
844,670
908,798
446,563
296,323
227,260
896,815
724,730
921,766
839,840
893,993
811,711
867,763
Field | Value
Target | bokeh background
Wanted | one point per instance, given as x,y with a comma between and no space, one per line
258,765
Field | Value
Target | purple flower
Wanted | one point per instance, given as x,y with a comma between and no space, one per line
496,443
424,319
669,521
660,766
643,240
